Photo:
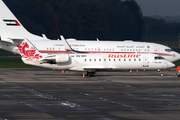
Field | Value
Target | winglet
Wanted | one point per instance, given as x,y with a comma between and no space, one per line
67,47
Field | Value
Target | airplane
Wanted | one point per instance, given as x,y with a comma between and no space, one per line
11,28
86,62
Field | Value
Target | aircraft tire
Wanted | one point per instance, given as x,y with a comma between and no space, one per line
90,74
161,74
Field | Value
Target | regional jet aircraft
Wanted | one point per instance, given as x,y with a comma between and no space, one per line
89,63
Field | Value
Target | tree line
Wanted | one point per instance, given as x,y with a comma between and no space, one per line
159,27
89,19
80,19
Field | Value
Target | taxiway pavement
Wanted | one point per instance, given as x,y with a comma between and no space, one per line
38,94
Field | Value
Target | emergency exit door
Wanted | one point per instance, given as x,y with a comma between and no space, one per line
145,62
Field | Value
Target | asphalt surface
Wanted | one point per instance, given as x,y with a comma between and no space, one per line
38,94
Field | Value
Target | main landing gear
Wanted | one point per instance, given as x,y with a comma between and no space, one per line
90,74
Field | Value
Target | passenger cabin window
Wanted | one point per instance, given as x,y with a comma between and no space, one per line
168,50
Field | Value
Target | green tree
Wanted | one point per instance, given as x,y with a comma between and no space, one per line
80,19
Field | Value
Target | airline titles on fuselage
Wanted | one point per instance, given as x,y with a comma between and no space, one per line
115,56
73,45
124,56
132,46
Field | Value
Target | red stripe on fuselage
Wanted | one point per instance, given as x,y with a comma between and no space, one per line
67,52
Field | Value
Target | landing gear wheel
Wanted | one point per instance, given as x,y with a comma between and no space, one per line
161,74
90,74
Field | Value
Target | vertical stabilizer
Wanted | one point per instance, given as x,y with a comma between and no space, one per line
10,27
27,50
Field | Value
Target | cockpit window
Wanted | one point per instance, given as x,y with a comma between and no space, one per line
168,50
159,58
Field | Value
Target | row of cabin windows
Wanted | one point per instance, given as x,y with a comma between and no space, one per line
122,50
53,49
112,60
134,50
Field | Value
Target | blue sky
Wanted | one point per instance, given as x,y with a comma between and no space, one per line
160,7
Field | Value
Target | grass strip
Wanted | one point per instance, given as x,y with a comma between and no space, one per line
13,63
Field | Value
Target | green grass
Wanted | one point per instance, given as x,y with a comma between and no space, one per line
3,52
13,63
177,63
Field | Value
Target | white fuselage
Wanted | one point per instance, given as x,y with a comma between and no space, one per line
57,47
88,62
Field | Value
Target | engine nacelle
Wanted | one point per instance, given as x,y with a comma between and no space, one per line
58,58
61,58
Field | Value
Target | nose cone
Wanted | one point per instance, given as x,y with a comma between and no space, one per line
170,65
176,56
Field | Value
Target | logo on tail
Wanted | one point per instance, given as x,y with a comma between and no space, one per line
28,52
